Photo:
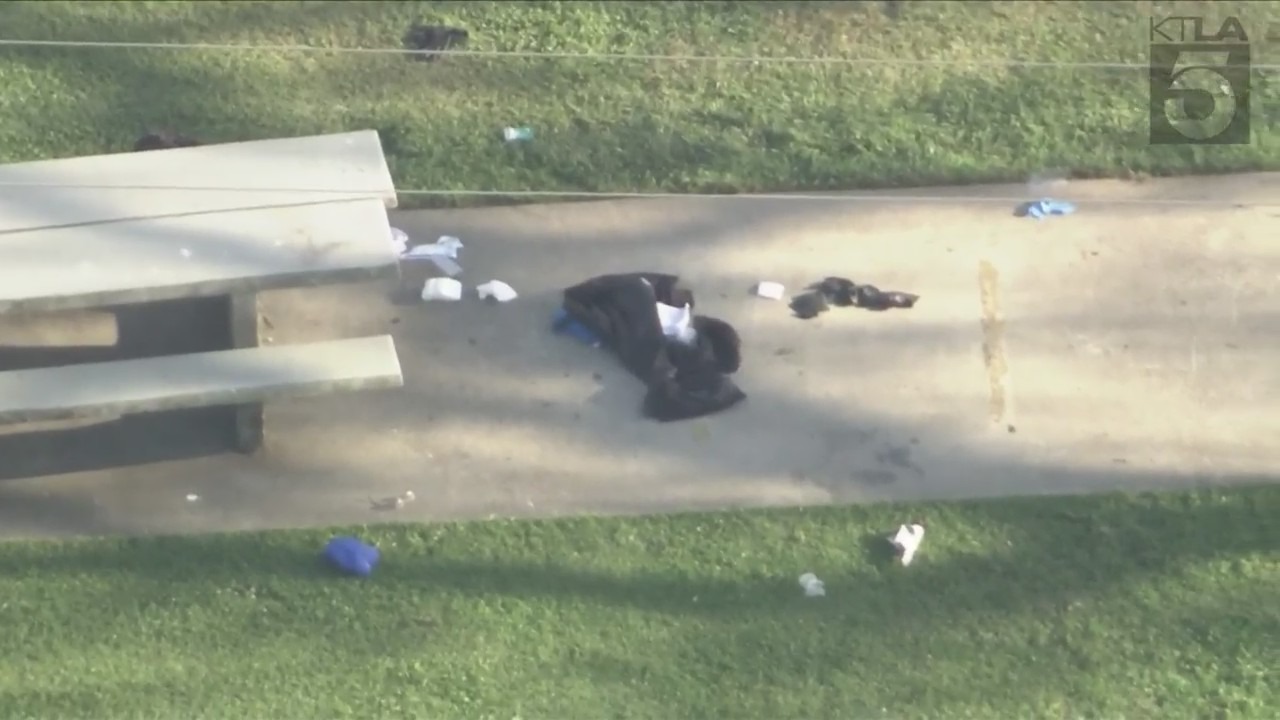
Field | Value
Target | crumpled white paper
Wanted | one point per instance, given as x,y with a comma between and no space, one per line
677,323
771,290
907,541
813,587
446,289
497,290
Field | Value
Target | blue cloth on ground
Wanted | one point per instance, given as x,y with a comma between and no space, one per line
564,323
351,556
1045,207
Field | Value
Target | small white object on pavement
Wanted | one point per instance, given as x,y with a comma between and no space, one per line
497,290
813,587
409,496
446,246
770,290
907,541
446,289
399,241
192,497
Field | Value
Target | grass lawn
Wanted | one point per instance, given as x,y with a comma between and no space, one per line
632,125
1106,607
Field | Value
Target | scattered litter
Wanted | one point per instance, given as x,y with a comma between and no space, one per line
497,290
352,556
843,292
399,241
517,134
446,289
443,252
445,246
1040,209
771,290
813,587
428,40
563,322
907,540
192,497
392,503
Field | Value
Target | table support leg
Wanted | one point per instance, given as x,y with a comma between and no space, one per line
243,311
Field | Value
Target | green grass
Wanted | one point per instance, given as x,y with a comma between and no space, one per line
1157,606
628,125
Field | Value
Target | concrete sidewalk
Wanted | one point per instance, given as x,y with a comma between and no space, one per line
1123,347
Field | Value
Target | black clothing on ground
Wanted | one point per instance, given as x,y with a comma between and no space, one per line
683,381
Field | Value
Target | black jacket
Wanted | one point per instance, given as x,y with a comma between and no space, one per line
683,381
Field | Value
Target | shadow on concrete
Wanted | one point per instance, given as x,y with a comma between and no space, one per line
144,330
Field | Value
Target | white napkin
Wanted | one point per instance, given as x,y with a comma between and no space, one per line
813,587
497,290
446,289
907,541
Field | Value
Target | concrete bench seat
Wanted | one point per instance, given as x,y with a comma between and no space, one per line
227,377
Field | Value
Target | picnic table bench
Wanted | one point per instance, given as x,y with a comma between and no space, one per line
110,230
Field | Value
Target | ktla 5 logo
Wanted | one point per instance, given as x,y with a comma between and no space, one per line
1199,82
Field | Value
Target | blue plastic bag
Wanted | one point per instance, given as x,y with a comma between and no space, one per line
351,556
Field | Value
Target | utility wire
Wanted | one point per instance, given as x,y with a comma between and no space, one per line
600,195
636,57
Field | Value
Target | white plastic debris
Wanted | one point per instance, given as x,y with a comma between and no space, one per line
907,541
399,241
184,253
409,496
677,323
446,289
192,497
812,586
771,290
446,246
497,290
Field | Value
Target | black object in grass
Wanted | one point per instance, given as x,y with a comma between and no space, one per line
434,38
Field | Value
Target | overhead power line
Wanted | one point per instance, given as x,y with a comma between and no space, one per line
602,195
615,57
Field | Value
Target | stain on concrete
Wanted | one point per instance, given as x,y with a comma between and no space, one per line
993,350
899,457
876,477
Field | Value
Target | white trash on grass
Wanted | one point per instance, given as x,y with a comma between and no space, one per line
812,586
907,540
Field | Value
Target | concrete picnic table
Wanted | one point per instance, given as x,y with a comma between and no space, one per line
219,222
